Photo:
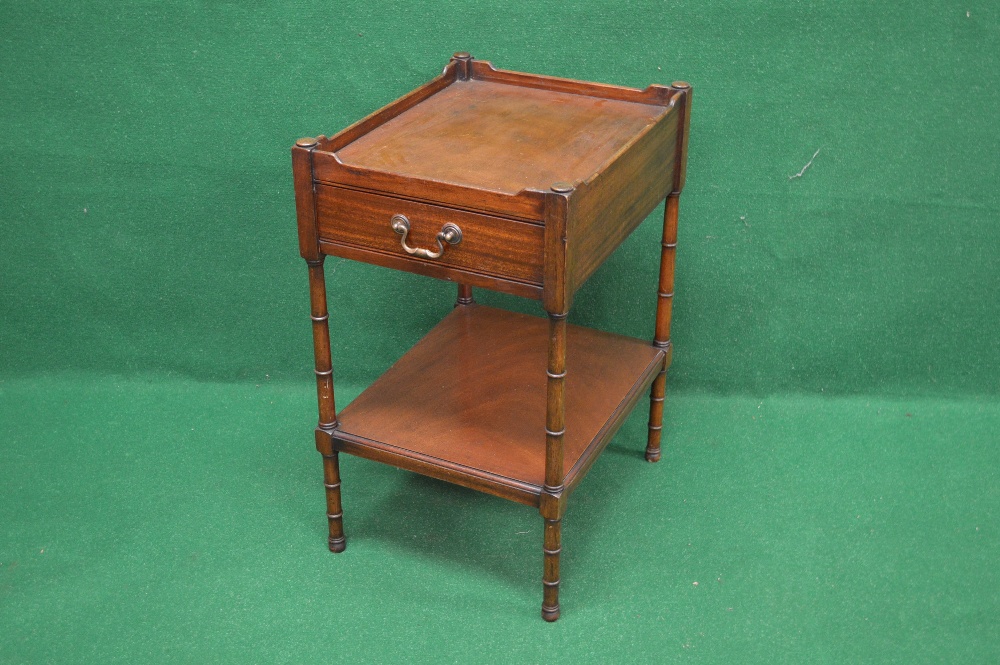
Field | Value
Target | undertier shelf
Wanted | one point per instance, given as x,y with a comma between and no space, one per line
467,403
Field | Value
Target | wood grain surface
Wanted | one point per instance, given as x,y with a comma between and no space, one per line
472,396
491,245
501,137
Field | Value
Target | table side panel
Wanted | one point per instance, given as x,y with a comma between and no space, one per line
655,94
603,438
605,210
476,479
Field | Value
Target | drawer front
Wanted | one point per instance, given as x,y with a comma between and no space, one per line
489,245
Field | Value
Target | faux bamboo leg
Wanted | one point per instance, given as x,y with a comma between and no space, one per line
661,337
334,509
464,295
656,396
552,492
550,581
327,407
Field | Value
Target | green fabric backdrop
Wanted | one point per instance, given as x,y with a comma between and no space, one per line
836,342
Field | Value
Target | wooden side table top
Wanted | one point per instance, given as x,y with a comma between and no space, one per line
501,137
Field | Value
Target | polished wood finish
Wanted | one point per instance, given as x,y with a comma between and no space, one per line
551,549
661,335
470,402
665,294
555,405
490,245
305,202
683,132
464,295
494,142
668,251
552,502
654,94
626,191
327,406
526,205
334,510
321,342
471,126
545,177
432,269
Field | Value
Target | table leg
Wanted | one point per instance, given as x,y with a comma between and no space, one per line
552,500
464,295
327,407
661,337
334,509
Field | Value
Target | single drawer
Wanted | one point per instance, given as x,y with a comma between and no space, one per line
489,245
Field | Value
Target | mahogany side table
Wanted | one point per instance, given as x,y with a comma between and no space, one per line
513,182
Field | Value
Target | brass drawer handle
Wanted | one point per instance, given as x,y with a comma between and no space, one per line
449,233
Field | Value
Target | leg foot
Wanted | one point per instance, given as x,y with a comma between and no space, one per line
338,545
334,511
550,613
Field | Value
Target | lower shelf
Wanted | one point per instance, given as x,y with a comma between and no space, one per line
467,403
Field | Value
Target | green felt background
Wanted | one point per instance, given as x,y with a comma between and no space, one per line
831,474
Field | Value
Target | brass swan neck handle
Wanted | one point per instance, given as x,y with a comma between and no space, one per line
449,233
